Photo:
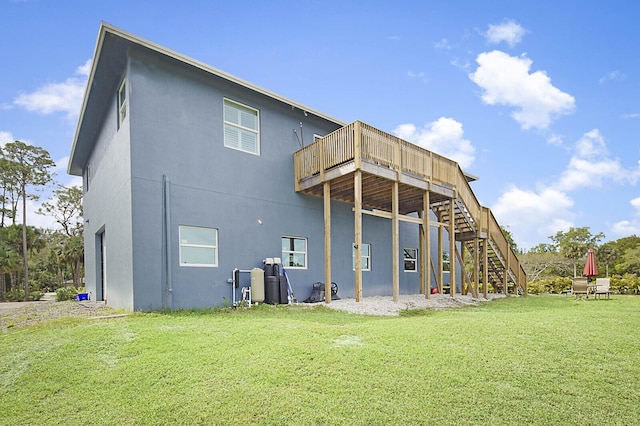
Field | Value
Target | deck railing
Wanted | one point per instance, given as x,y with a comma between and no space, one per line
384,149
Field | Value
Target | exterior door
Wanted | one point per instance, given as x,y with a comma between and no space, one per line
102,273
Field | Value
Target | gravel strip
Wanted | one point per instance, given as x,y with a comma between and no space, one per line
385,306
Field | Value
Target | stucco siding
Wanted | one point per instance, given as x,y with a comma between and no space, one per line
107,208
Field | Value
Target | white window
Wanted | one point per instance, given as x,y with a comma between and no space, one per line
198,246
294,252
241,127
366,256
122,102
446,263
410,260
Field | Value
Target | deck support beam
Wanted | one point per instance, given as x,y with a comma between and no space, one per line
357,241
440,263
485,268
476,266
395,242
452,249
426,253
327,240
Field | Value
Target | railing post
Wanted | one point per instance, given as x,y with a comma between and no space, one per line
357,145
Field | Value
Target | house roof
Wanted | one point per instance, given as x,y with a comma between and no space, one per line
109,61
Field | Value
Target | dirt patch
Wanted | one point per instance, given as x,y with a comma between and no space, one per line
15,315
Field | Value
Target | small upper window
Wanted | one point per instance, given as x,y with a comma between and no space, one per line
366,256
410,259
86,177
241,127
294,252
122,102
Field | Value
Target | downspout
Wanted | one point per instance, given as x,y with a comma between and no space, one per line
166,240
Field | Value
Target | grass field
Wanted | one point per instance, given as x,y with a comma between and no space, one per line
529,360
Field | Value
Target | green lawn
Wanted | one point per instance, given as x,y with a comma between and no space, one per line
529,360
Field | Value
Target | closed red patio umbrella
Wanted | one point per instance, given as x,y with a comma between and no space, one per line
590,268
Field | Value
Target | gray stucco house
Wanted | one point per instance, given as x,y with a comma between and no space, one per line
190,173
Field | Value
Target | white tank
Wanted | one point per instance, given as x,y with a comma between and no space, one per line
257,285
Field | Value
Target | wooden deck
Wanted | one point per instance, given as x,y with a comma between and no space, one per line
383,175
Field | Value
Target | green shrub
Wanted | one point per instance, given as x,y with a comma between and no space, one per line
553,285
66,293
14,295
535,287
625,284
35,295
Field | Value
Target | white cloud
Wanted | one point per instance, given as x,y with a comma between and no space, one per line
625,228
444,136
591,165
508,31
419,75
556,140
85,69
533,216
461,64
58,97
632,115
5,137
613,75
442,44
506,80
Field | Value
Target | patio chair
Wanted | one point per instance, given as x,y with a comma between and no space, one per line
580,286
603,286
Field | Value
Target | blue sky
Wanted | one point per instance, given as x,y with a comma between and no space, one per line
540,100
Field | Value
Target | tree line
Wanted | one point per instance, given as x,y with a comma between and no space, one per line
550,266
33,260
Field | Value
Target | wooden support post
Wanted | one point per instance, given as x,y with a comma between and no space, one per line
452,248
327,241
427,243
357,188
395,242
464,284
421,262
476,265
485,267
440,265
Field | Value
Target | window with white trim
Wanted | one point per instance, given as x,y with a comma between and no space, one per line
294,252
241,127
366,256
122,102
198,246
411,260
446,262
